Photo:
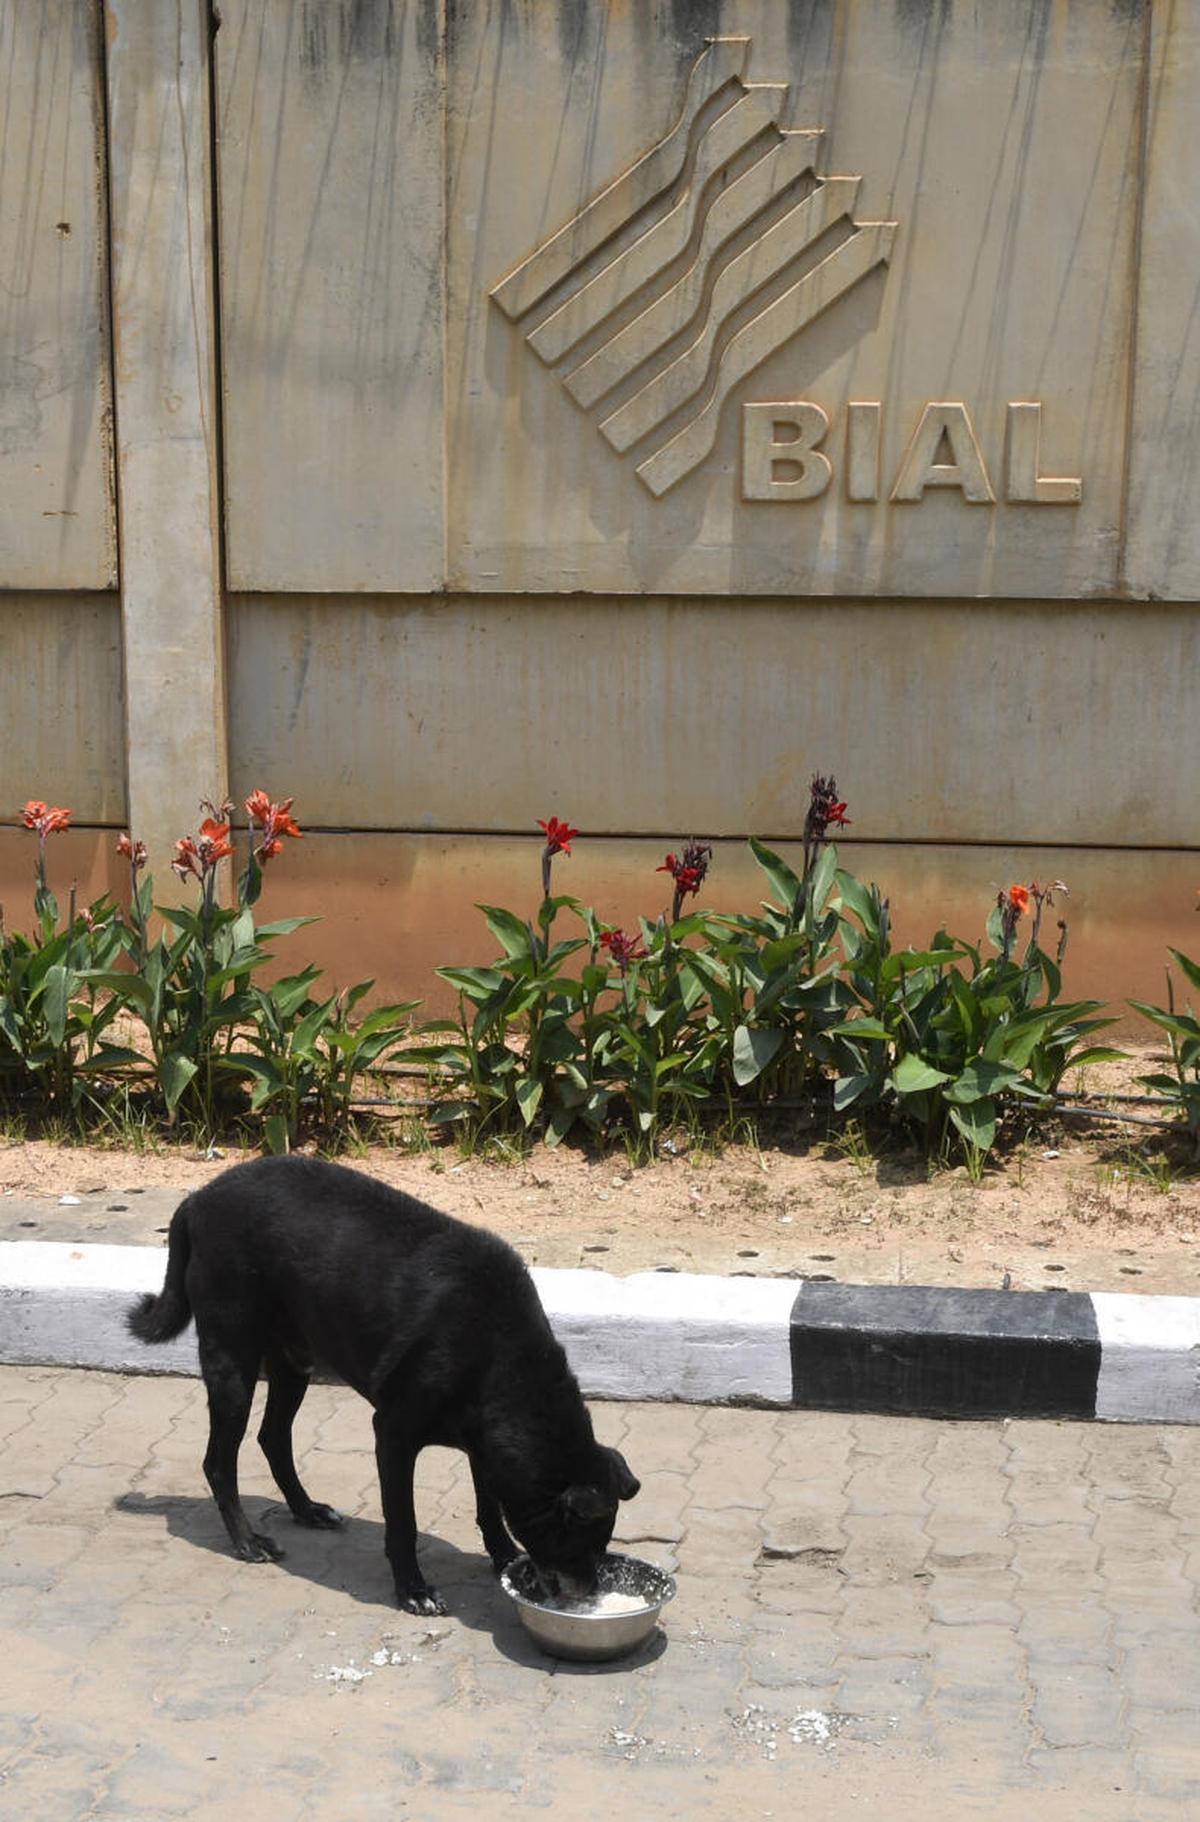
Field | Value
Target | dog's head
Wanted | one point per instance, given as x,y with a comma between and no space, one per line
567,1536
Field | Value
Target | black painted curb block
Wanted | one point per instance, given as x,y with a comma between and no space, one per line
898,1349
918,1351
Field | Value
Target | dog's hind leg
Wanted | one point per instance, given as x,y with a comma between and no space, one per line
396,1457
229,1373
490,1519
286,1387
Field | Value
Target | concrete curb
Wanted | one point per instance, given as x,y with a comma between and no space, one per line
902,1349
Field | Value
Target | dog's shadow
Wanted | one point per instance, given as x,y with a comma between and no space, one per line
351,1560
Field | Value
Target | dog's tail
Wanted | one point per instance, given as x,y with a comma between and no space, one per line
163,1317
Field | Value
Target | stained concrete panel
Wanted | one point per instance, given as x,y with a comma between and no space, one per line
56,496
604,335
83,858
945,721
330,182
395,907
61,706
1163,555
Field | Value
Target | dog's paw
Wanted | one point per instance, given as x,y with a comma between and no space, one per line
259,1548
320,1518
427,1603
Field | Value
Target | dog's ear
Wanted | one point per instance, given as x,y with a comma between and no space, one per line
626,1482
585,1505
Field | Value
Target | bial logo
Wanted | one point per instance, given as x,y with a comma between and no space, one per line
717,247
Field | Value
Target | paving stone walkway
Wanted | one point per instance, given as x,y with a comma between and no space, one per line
873,1613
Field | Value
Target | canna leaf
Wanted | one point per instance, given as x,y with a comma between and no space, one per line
784,883
55,997
754,1047
820,881
275,1133
529,1099
1189,967
849,1088
977,1123
1180,1024
280,926
389,1015
509,930
913,1075
860,900
175,1071
873,1029
979,1081
475,984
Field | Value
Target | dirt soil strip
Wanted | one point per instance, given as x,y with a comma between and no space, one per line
1084,1212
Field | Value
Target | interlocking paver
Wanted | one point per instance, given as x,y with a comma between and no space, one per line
882,1548
1047,1557
973,1598
891,1609
1083,1705
1058,1628
1167,1759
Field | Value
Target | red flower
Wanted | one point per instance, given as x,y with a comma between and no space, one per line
275,819
1018,898
825,807
623,949
559,835
687,870
44,820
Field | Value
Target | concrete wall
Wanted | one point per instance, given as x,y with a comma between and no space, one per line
57,521
617,411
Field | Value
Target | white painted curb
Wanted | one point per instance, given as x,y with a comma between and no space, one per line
674,1335
667,1336
66,1305
654,1335
1149,1358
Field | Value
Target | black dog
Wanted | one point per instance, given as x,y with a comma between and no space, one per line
290,1263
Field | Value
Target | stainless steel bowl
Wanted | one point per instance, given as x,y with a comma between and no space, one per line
590,1637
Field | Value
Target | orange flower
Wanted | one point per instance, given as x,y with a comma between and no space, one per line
133,851
213,841
44,820
200,856
1018,899
275,819
187,859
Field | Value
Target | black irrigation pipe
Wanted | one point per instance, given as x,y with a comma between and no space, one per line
1066,1107
1101,1113
1072,1108
1133,1100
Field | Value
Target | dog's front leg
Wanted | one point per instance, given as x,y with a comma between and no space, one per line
490,1519
396,1457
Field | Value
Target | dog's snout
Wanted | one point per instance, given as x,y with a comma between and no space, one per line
560,1585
